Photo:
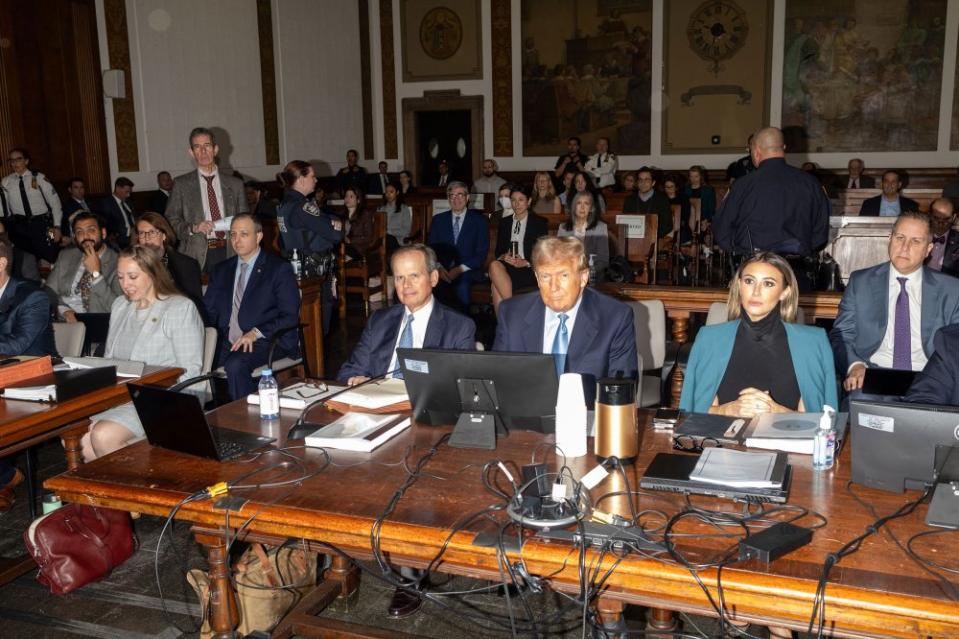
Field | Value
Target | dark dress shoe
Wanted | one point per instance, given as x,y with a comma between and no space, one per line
403,604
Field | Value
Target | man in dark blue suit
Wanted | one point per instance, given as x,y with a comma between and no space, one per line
76,202
587,332
890,313
938,383
460,238
251,296
431,325
379,180
119,215
24,330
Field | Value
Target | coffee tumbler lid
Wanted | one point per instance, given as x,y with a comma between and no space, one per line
616,391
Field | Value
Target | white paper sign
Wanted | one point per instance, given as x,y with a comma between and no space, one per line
635,226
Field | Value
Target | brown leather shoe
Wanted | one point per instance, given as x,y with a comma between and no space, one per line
6,491
403,604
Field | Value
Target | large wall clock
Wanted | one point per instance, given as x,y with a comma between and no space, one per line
717,30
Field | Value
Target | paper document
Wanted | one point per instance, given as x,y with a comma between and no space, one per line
299,395
376,394
735,468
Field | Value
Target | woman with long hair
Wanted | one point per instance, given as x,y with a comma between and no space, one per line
515,237
545,201
584,224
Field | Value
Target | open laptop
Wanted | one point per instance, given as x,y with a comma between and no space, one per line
176,421
894,443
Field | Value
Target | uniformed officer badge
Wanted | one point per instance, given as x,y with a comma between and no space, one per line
311,208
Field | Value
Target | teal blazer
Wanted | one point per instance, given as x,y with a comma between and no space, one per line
808,346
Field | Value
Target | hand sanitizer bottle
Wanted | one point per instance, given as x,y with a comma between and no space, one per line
824,442
295,263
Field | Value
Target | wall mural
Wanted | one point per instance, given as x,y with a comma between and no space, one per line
586,72
863,75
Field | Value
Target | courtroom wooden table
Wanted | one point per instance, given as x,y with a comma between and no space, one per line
25,424
877,592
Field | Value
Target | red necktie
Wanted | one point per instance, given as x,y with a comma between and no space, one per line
214,205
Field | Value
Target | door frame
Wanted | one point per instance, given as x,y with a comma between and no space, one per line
442,101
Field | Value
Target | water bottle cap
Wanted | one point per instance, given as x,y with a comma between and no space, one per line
266,371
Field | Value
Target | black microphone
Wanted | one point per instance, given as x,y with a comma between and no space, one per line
297,430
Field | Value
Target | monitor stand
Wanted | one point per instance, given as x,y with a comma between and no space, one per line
479,419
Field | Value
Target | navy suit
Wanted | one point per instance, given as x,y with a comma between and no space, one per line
70,206
116,220
271,301
470,248
603,343
938,383
871,206
375,187
864,312
25,327
372,355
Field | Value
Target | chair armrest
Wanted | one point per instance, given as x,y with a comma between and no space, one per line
276,338
193,380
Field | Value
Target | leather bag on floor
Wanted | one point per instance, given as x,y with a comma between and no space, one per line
76,544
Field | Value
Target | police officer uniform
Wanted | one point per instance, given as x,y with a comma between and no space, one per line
315,234
33,208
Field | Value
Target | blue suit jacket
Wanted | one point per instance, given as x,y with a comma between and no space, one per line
864,312
25,327
938,383
372,355
470,248
603,343
271,299
808,347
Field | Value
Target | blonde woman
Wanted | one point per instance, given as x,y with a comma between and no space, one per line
545,201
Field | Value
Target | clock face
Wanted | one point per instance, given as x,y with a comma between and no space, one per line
717,29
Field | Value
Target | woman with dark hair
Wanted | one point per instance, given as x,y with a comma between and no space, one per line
151,323
760,361
583,184
358,222
309,228
584,224
153,230
399,218
672,188
406,182
515,237
699,200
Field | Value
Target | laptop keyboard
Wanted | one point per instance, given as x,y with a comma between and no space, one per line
229,450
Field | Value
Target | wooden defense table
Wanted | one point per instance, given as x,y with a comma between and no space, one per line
877,592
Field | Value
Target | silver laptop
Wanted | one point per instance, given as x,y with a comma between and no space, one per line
894,443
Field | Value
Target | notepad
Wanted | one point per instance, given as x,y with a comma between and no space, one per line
736,468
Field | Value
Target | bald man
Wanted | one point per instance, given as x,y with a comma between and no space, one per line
775,208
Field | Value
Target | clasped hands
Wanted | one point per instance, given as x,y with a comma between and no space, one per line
448,275
751,402
513,260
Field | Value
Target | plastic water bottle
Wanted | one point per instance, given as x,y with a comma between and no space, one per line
824,442
269,395
592,269
295,263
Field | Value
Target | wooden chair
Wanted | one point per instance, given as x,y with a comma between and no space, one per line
642,253
666,259
354,276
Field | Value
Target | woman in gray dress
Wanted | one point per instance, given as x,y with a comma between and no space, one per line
153,323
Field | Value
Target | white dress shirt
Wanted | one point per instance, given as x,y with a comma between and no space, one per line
420,319
518,232
551,324
223,224
461,216
883,355
42,199
124,210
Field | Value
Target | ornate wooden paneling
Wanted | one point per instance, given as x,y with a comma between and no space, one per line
366,79
9,108
93,138
502,76
124,115
271,127
388,66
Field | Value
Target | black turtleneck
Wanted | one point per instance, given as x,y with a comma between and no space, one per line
761,359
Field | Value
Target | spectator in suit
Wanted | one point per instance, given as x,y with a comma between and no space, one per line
352,174
889,313
586,331
760,361
489,182
938,383
891,203
159,199
649,200
150,323
84,278
119,215
431,324
511,270
154,231
76,202
377,183
251,296
444,170
202,203
945,241
24,330
855,179
460,238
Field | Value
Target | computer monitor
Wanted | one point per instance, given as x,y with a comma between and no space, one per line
517,390
894,443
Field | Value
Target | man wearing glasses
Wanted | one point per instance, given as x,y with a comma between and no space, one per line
460,238
32,209
203,202
586,332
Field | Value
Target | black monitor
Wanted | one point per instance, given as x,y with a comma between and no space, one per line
477,389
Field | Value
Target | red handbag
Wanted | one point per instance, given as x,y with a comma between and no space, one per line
77,544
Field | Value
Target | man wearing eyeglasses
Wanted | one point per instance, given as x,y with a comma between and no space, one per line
460,238
203,202
586,332
31,207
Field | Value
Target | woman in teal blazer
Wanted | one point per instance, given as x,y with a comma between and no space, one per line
760,361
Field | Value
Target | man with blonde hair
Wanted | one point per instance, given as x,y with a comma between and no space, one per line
587,332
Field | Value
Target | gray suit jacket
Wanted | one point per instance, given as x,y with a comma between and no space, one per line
104,290
185,208
864,313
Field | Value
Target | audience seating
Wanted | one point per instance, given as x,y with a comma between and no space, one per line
355,274
69,338
849,201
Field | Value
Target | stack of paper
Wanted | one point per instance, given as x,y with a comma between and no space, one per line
387,394
790,432
358,431
299,395
736,468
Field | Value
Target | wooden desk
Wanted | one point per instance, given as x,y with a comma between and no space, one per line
877,592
